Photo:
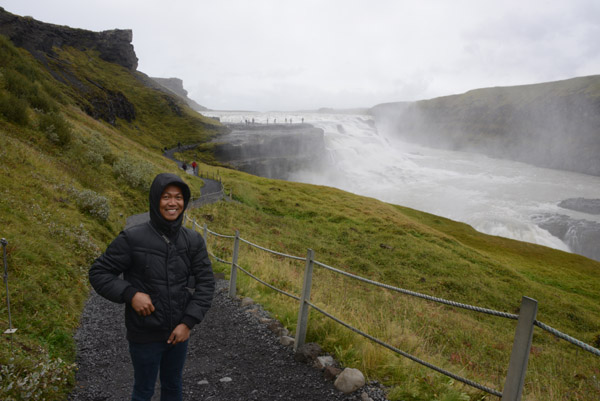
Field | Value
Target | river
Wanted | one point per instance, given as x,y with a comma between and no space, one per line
495,196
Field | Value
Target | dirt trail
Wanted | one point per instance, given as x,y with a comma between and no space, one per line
230,343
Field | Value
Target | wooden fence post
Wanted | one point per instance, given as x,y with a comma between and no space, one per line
517,367
302,323
234,259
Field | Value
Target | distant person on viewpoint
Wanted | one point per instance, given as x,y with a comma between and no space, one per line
157,259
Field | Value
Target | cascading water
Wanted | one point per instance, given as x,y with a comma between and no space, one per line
497,197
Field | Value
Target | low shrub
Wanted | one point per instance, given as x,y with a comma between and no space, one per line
18,84
92,203
99,150
13,109
56,128
136,173
26,378
41,101
93,158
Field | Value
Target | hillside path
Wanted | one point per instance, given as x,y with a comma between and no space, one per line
232,356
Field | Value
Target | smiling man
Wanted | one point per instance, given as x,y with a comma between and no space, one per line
157,259
171,203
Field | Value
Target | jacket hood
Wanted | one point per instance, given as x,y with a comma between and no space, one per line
161,181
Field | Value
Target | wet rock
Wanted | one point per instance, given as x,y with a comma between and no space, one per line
590,206
272,150
582,236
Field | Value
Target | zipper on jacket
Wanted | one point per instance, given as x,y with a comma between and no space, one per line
168,282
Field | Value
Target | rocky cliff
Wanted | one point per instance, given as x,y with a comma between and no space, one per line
175,86
39,38
272,150
555,124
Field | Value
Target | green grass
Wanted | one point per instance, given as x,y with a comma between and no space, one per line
420,252
48,161
53,238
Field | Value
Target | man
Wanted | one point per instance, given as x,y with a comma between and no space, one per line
156,260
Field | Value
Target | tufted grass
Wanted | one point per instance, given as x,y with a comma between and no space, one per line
62,200
420,252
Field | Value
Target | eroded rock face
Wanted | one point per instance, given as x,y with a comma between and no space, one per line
272,150
590,206
582,236
39,38
175,85
552,124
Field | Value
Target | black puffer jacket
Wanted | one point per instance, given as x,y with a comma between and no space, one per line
157,258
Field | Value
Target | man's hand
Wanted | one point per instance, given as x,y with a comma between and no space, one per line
142,304
180,334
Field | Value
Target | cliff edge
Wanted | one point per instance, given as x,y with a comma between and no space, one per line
175,85
39,38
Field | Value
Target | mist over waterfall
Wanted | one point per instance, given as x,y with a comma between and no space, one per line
495,196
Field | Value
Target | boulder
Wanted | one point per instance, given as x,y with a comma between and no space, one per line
287,341
308,352
331,372
349,380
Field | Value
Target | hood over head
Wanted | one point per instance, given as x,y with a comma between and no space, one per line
161,181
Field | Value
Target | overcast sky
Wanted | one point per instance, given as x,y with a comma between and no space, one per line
306,54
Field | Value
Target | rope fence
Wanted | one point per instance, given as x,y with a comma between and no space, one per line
514,381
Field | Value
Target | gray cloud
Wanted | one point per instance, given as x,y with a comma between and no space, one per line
279,54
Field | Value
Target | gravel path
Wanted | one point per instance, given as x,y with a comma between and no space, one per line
231,343
232,356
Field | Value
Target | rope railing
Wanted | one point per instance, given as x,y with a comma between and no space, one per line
567,338
272,251
423,296
218,259
407,355
514,378
297,298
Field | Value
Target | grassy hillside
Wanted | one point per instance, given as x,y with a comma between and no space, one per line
419,252
553,124
69,181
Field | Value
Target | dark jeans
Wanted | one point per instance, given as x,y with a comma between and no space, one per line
148,360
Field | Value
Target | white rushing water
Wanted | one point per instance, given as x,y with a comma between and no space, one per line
495,196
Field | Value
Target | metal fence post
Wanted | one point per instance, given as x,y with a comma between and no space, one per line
302,323
10,328
234,259
517,367
205,232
